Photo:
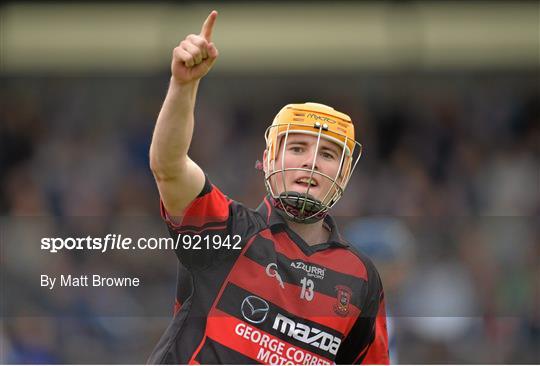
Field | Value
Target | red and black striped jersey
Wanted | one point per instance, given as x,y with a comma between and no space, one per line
275,299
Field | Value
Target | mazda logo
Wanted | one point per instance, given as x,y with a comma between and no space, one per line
255,309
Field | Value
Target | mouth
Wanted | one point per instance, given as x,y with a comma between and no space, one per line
306,182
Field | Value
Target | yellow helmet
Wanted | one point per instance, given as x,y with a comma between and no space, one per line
321,121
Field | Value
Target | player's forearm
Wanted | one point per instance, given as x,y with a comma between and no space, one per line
173,130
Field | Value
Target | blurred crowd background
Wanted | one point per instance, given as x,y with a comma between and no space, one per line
445,199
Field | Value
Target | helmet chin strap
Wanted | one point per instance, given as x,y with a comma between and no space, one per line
299,207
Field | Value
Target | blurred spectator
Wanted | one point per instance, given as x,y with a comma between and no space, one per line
390,244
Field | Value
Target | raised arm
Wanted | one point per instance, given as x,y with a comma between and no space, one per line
178,178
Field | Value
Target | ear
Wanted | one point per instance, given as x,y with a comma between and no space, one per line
265,156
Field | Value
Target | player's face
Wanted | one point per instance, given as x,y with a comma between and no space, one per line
300,153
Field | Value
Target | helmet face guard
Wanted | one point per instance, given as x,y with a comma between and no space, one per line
319,121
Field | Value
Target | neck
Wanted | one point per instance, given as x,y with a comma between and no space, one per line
312,234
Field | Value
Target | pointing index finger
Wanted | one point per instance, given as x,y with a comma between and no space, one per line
208,26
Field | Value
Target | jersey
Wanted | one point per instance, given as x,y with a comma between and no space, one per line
274,299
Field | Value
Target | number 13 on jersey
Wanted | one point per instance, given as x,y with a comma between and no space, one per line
307,289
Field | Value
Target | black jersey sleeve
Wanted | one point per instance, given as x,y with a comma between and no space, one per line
367,342
205,222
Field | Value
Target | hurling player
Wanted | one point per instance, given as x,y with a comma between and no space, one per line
272,285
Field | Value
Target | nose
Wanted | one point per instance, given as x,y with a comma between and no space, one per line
310,157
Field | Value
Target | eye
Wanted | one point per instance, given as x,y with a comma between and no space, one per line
296,149
327,155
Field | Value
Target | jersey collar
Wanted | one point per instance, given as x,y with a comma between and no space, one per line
276,222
